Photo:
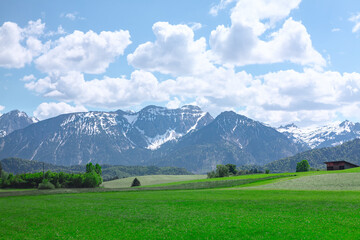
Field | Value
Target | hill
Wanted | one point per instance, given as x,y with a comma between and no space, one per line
349,151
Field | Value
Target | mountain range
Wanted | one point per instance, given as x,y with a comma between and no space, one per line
185,137
329,135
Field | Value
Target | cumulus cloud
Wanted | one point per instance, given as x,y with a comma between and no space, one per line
174,103
174,52
107,92
308,97
84,52
242,43
60,31
214,10
18,46
355,19
52,109
27,78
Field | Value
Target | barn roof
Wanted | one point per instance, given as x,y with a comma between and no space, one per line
343,162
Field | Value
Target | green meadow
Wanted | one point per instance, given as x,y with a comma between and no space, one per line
243,207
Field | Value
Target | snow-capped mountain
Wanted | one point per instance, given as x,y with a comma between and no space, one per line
14,120
105,137
230,138
330,135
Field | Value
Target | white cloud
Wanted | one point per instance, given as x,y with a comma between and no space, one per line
27,78
174,52
48,110
60,31
84,52
335,30
242,43
195,26
34,28
356,20
174,103
18,46
214,10
308,97
2,107
72,16
108,92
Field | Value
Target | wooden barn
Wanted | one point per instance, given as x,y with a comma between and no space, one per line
339,165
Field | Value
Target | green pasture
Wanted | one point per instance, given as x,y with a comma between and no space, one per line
242,207
188,214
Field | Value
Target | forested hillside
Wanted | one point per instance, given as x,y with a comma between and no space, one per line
349,151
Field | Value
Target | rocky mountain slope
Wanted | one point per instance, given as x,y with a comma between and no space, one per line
14,120
326,136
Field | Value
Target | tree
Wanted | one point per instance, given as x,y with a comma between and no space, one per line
91,180
232,168
267,171
302,166
90,167
98,169
135,183
222,171
0,169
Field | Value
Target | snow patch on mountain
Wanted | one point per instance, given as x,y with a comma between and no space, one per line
2,133
158,140
131,118
332,134
194,127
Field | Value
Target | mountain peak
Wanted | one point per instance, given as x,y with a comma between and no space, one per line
14,120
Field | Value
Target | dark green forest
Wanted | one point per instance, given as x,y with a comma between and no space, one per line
50,180
109,172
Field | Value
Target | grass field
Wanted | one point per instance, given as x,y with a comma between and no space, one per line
191,214
150,180
219,213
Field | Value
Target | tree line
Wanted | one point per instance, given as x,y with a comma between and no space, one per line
48,180
231,170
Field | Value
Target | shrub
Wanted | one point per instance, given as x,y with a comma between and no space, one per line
267,171
46,185
135,183
232,168
302,166
222,171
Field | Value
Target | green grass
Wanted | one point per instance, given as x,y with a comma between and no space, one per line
191,214
150,180
219,213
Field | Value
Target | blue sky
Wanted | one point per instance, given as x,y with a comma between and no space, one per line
277,61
